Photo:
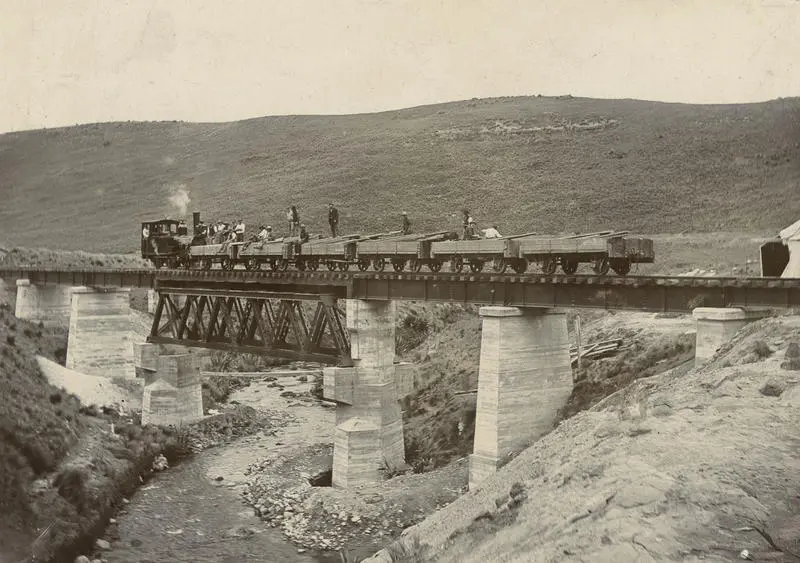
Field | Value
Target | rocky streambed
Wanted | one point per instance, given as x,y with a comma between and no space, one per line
266,496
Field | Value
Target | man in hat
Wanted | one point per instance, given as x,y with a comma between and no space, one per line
406,223
333,219
303,233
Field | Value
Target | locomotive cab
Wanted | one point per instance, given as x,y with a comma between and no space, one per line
159,241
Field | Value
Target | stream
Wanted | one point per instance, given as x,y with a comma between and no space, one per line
188,514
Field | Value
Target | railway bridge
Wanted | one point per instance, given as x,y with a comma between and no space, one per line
347,320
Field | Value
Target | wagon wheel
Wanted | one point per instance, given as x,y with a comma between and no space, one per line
435,265
331,265
344,266
414,265
398,265
570,266
621,266
549,266
520,266
313,264
301,265
601,266
378,264
282,264
499,265
273,264
476,266
456,264
251,264
207,263
226,264
363,264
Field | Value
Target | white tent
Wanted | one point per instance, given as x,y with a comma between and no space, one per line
791,238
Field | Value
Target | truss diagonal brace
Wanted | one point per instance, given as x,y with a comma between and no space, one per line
253,323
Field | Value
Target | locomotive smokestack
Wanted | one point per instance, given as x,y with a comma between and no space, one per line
195,221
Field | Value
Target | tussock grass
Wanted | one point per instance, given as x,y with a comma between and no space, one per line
526,163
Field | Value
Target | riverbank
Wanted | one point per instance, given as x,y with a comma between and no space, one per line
355,522
194,512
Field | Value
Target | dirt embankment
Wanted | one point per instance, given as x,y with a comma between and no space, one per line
692,464
444,342
66,465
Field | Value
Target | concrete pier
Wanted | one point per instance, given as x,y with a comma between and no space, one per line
175,396
716,326
49,304
101,332
145,361
525,376
369,423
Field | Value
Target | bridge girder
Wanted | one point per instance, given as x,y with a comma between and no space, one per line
283,327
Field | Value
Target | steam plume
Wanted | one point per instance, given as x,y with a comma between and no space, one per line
180,199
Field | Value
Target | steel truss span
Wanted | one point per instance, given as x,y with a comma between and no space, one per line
302,327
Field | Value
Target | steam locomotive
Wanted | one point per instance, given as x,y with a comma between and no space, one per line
167,243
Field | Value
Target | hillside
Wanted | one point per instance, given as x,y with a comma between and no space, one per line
534,163
689,465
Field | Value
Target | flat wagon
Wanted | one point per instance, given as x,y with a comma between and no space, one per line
413,250
602,250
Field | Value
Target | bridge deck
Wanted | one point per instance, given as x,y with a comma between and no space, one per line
642,293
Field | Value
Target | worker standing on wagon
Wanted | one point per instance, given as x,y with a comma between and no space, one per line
239,230
294,220
333,219
303,234
406,223
467,221
469,232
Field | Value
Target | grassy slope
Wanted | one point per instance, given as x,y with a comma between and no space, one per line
655,472
644,166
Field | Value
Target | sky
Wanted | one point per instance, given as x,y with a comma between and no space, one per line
64,62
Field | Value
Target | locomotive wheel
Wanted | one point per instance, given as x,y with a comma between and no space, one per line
549,266
601,266
499,265
435,265
172,262
520,266
313,264
476,266
569,266
363,264
344,266
331,265
621,266
414,265
398,265
378,264
456,264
